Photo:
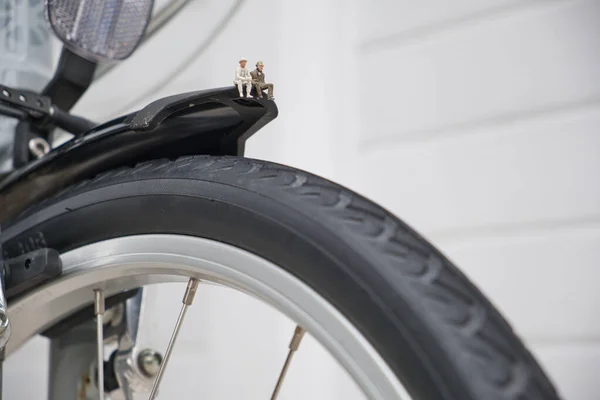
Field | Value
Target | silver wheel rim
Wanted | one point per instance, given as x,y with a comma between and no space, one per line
124,263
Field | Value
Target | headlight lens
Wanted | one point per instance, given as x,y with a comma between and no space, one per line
100,29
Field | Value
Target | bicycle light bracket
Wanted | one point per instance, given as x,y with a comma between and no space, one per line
39,110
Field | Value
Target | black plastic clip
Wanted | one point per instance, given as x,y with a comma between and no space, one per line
29,270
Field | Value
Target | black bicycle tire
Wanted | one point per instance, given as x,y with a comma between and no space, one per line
433,327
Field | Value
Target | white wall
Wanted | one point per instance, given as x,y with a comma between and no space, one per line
474,121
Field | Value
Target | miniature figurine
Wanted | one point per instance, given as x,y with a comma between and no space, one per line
243,77
258,80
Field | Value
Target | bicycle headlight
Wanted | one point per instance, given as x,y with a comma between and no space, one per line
100,29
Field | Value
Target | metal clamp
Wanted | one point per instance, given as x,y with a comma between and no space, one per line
135,370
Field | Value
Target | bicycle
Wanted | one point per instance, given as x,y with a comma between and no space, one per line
165,194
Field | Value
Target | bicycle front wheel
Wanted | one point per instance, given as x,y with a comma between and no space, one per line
392,309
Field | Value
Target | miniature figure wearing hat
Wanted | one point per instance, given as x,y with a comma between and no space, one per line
258,80
243,77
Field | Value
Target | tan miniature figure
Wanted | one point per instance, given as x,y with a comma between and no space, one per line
258,80
243,77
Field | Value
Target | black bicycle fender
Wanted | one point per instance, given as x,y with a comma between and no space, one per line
211,122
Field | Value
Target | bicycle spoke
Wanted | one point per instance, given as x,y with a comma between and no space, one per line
188,299
99,311
294,344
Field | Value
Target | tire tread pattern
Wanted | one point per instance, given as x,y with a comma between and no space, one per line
473,333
